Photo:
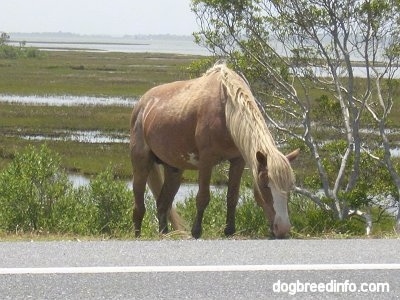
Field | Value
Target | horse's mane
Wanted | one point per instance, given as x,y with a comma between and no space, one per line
249,131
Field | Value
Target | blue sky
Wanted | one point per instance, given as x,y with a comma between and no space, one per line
112,17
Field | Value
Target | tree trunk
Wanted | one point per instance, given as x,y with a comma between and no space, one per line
398,220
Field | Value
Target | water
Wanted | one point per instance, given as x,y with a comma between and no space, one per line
358,71
81,136
130,44
395,152
139,44
185,191
68,100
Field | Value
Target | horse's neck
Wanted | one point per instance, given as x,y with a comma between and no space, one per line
248,130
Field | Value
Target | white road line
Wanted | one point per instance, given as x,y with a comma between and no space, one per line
209,268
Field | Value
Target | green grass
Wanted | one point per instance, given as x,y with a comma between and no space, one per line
86,73
84,158
45,119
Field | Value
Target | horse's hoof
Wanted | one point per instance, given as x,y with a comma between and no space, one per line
196,233
229,231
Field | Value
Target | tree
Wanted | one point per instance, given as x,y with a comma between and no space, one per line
4,37
325,74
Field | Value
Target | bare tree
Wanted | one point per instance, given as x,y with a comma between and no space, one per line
348,52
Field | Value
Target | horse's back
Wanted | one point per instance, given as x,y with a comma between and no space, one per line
183,118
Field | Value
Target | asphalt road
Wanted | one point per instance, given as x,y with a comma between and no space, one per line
190,269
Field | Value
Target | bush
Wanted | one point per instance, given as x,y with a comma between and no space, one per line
214,216
250,218
309,220
8,52
30,188
13,52
150,221
36,196
76,213
113,201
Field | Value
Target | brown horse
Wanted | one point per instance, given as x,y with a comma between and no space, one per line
196,124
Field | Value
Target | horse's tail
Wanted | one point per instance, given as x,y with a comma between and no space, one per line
155,182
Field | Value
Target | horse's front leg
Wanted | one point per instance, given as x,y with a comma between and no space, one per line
235,174
172,181
202,198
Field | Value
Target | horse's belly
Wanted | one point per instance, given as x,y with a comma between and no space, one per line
179,150
179,133
177,155
174,144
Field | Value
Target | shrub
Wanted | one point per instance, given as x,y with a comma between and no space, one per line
30,188
13,52
250,218
76,213
214,216
113,201
8,52
150,221
36,195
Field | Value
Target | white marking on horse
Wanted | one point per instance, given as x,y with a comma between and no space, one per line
281,222
193,159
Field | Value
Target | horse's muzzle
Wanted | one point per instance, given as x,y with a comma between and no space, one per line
281,228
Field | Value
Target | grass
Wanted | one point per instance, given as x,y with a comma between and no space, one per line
83,158
19,120
91,73
45,119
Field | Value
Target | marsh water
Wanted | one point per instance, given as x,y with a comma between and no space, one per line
67,100
185,190
94,136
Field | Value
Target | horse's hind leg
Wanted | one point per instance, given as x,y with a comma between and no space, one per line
235,174
202,199
141,164
172,181
139,187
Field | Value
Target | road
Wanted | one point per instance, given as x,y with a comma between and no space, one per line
198,269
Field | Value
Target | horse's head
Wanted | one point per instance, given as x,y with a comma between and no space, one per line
274,201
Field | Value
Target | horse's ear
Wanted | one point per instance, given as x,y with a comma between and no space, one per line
293,155
262,160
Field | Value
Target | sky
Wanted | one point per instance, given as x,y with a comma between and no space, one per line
99,17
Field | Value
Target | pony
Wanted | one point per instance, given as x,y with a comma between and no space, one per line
196,124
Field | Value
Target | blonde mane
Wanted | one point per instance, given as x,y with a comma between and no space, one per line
249,130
